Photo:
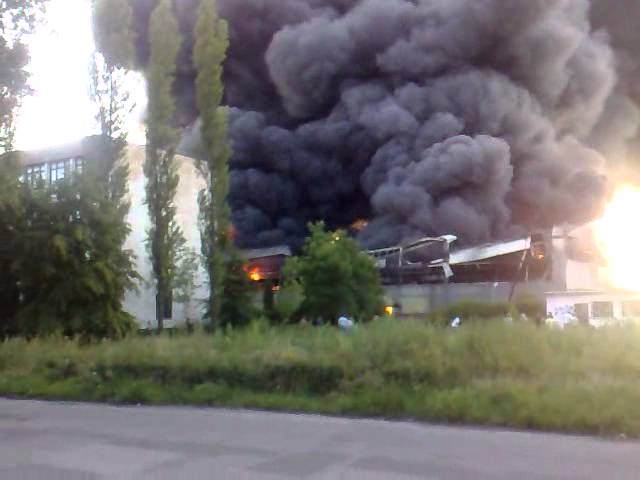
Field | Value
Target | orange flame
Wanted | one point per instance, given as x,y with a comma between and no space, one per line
256,275
618,238
359,225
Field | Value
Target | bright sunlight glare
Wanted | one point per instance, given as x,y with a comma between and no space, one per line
618,238
60,110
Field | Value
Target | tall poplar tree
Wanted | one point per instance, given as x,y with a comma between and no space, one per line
165,237
112,27
211,44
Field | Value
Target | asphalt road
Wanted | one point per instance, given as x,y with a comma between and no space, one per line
77,441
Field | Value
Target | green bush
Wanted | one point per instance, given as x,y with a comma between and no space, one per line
470,310
532,307
237,308
337,278
288,300
62,262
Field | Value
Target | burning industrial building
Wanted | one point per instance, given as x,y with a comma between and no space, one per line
461,141
565,265
482,119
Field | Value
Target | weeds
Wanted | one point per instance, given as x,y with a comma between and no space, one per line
519,375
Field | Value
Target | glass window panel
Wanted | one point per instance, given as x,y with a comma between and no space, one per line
36,174
78,164
58,171
602,310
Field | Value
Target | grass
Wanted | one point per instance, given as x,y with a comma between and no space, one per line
576,380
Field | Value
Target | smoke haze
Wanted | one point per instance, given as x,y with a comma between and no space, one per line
478,118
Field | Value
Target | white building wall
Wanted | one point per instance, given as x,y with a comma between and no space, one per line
583,282
142,304
569,272
584,276
561,305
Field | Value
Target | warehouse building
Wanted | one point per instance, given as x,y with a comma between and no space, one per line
560,266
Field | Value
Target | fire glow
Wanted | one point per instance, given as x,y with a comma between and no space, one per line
618,238
256,275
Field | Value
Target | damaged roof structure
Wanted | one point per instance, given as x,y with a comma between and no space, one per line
265,263
421,280
432,272
437,260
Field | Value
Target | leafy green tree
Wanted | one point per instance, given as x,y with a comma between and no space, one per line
13,80
237,308
68,259
336,276
10,213
16,18
113,104
288,300
63,260
165,238
19,16
211,44
63,265
186,278
112,101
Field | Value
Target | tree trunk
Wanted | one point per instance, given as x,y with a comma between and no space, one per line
160,299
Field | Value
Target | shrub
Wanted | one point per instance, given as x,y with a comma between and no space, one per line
288,300
336,276
237,308
67,261
532,307
580,380
469,310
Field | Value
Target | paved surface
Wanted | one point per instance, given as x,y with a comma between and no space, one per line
76,441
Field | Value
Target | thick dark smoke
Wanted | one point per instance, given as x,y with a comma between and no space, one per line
617,134
478,118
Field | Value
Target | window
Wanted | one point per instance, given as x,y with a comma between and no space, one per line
78,165
36,174
602,309
582,312
631,309
57,171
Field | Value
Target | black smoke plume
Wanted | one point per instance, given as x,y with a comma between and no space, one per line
478,118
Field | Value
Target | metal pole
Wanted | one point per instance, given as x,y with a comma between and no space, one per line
523,262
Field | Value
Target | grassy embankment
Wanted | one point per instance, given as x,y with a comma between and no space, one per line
578,380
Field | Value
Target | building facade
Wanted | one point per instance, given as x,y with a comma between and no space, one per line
54,164
595,308
560,266
583,292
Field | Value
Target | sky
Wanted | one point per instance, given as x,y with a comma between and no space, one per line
60,110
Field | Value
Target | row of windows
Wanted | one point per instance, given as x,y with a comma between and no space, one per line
630,309
53,172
